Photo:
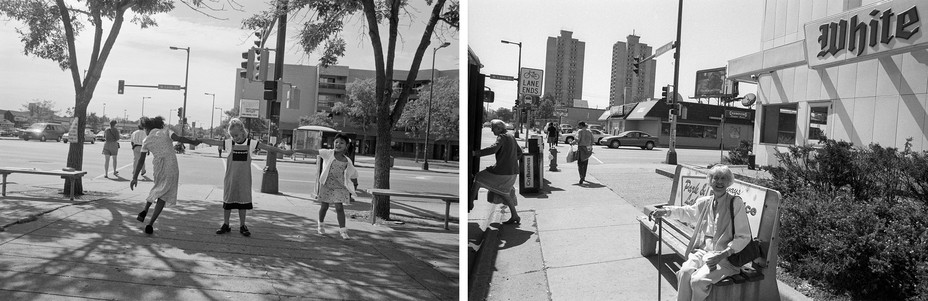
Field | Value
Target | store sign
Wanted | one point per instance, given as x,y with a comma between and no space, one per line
880,29
738,114
249,108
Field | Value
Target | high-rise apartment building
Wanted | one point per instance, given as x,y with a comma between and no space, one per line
564,68
626,86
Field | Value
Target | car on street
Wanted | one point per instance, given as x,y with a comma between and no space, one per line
630,138
99,136
43,131
9,132
88,137
572,135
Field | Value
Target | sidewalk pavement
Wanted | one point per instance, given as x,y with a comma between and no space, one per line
52,248
575,242
402,163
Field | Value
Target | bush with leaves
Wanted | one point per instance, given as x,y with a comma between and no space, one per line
855,219
739,155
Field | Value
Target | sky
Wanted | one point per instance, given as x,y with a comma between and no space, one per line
142,57
713,32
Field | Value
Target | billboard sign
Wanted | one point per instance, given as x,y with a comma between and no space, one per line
711,83
530,81
249,108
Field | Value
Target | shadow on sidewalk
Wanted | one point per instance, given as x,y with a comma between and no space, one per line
670,264
513,236
102,250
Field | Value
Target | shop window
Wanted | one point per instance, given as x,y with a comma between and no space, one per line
778,124
818,122
692,131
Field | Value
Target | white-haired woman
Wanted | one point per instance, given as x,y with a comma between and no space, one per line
715,240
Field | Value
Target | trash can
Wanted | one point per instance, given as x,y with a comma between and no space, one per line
531,166
751,158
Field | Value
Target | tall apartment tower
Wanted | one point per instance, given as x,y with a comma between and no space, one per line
626,86
564,68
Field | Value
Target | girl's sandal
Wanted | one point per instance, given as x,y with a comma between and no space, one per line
513,222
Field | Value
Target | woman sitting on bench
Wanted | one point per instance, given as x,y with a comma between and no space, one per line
714,242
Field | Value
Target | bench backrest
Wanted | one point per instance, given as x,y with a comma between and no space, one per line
762,204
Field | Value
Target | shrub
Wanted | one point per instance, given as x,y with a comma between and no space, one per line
739,155
855,219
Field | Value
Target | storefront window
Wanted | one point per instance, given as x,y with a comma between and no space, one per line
778,125
818,123
692,131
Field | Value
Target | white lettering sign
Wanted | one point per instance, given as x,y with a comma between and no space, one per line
249,108
530,81
880,29
529,167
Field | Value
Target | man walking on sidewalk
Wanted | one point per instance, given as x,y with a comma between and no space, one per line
585,143
500,178
136,139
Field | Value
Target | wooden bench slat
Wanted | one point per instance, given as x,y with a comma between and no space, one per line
447,198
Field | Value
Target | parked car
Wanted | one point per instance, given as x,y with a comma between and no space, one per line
99,136
9,133
88,137
630,138
572,135
44,131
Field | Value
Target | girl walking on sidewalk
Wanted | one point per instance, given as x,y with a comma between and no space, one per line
332,186
159,141
237,182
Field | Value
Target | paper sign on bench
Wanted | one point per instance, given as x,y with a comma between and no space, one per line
693,184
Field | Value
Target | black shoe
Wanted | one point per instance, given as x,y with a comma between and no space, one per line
513,221
244,230
141,216
149,229
224,229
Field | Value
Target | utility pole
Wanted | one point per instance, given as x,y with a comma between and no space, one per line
270,176
212,113
672,153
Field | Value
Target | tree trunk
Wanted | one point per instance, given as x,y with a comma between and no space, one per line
447,150
76,151
382,159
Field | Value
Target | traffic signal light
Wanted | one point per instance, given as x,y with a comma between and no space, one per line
665,91
264,62
488,95
122,86
270,90
636,61
249,64
180,112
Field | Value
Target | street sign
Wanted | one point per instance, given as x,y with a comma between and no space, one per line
660,51
502,77
249,108
527,100
169,87
72,132
530,81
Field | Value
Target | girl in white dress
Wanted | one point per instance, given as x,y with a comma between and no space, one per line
332,186
159,142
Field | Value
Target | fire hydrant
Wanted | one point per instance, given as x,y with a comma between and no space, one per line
553,156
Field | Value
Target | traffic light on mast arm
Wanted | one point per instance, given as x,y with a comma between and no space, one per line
180,112
263,64
249,64
665,92
636,62
122,87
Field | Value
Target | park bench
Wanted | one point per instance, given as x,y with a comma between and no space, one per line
447,198
73,175
758,279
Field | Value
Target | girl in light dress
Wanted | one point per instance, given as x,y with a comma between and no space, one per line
333,185
237,181
158,142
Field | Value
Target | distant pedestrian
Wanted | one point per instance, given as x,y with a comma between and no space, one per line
333,186
553,134
159,144
138,136
223,146
500,178
715,239
237,181
584,144
110,148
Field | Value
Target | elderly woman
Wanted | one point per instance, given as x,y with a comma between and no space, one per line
715,240
500,178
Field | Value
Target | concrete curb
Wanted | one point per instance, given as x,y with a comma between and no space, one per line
485,255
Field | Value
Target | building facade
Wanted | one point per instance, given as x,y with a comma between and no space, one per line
564,68
847,70
625,85
322,88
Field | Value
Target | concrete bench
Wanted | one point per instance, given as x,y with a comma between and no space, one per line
73,175
447,198
758,279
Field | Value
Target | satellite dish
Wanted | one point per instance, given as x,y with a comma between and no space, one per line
748,99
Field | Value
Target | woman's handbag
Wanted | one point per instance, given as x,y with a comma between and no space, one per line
750,252
572,154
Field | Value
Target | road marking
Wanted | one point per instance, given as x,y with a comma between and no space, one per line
118,169
597,159
256,166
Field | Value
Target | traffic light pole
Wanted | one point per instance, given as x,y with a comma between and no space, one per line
672,153
269,178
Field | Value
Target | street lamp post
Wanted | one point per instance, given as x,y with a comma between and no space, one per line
428,123
143,104
518,80
220,116
183,117
211,115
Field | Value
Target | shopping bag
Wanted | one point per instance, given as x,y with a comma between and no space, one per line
572,154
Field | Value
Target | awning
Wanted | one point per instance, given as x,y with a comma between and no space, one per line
641,110
605,116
